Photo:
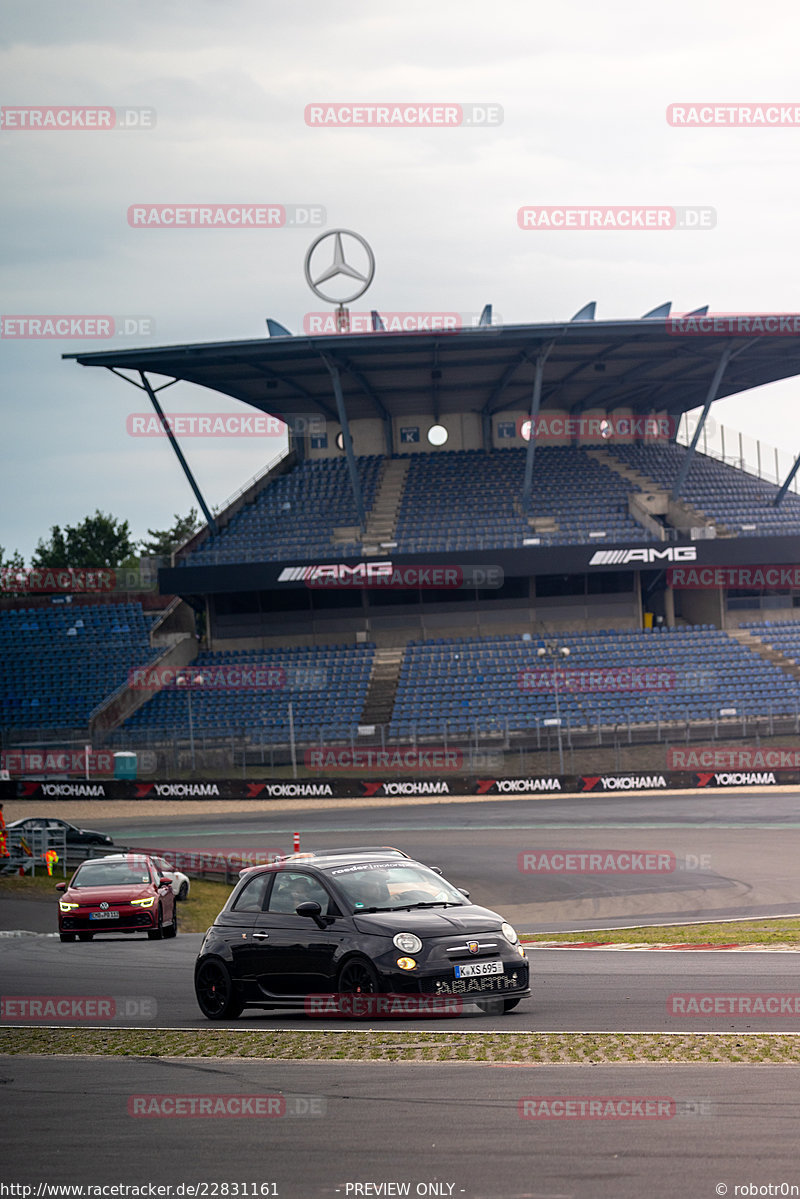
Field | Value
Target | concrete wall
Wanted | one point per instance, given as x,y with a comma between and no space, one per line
465,432
701,607
123,703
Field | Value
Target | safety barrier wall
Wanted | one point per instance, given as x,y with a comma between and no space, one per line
399,788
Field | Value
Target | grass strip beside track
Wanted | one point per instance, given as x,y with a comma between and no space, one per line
380,1046
779,933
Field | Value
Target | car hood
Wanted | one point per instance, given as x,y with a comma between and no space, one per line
111,894
430,922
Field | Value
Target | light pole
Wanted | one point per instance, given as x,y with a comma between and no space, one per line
551,649
189,681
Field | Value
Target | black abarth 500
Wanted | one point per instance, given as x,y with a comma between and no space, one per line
357,923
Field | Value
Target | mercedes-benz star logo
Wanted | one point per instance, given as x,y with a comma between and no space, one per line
340,266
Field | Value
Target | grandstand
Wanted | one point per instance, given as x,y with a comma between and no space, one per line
60,662
577,529
736,502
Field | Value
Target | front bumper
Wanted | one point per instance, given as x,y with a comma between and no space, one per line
132,920
437,977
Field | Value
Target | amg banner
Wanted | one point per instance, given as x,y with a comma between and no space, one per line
238,790
478,568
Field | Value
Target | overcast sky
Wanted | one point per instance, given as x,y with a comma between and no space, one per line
584,88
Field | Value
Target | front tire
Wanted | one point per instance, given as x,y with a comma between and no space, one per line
358,977
215,993
184,891
85,936
172,931
67,936
157,934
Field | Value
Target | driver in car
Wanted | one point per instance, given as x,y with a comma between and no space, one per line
302,890
370,892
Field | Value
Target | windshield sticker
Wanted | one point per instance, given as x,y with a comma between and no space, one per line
371,866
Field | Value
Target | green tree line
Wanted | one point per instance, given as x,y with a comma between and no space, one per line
102,540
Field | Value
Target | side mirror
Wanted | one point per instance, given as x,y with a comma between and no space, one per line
313,911
165,881
463,892
61,886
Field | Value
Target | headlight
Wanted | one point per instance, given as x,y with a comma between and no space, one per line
408,942
406,963
144,903
65,906
508,933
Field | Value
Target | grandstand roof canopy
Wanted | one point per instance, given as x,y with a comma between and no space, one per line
648,365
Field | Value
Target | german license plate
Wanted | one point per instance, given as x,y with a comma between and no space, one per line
478,969
104,915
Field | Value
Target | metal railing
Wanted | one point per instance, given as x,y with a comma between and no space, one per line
481,744
740,450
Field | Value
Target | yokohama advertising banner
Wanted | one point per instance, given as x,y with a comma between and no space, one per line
237,790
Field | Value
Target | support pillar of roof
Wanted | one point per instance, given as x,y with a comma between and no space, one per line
347,441
536,400
486,430
388,436
677,486
145,386
787,482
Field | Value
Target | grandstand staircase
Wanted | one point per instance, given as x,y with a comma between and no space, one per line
172,633
382,517
379,701
539,524
748,639
679,514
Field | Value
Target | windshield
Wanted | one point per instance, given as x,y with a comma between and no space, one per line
111,874
390,886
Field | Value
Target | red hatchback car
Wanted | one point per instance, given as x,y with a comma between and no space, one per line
124,893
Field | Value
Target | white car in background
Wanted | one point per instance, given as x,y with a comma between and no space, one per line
180,881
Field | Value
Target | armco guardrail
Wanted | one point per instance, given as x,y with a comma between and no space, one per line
397,788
